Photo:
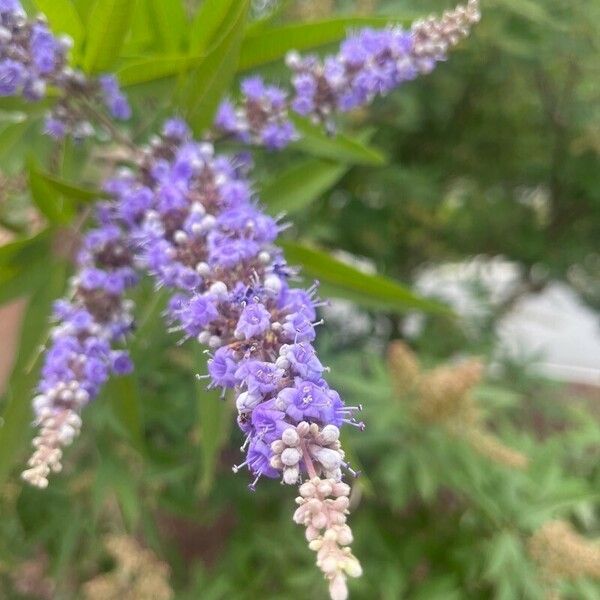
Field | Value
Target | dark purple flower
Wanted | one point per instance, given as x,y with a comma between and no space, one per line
121,363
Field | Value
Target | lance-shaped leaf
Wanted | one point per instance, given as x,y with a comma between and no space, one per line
301,184
51,203
340,147
153,68
169,20
108,25
66,188
24,265
210,18
212,78
342,280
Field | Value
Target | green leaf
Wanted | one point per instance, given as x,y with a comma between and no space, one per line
338,147
152,68
265,46
63,18
169,21
108,26
51,203
112,477
123,395
14,425
301,184
67,189
210,18
214,421
23,265
214,75
344,281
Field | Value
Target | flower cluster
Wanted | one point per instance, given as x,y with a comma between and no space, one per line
323,506
442,396
81,353
137,574
370,63
32,58
373,62
261,118
197,229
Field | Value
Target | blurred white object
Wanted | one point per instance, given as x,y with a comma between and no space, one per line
558,327
554,326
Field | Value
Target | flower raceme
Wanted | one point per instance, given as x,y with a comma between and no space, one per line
369,63
32,59
189,218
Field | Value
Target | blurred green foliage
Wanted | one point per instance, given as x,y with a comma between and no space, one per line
495,153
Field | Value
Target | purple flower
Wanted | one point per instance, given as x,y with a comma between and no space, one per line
10,7
198,313
226,118
12,76
55,128
222,368
259,377
303,360
254,321
268,421
310,402
176,129
114,99
298,328
258,460
121,363
44,49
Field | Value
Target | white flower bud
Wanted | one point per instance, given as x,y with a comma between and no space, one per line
218,289
282,363
198,208
338,590
352,567
264,257
290,457
330,434
330,459
180,237
273,284
214,341
246,401
290,437
290,475
202,269
208,222
203,337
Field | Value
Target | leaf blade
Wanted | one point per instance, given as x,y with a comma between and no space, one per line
298,186
206,23
339,147
216,72
108,25
345,281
